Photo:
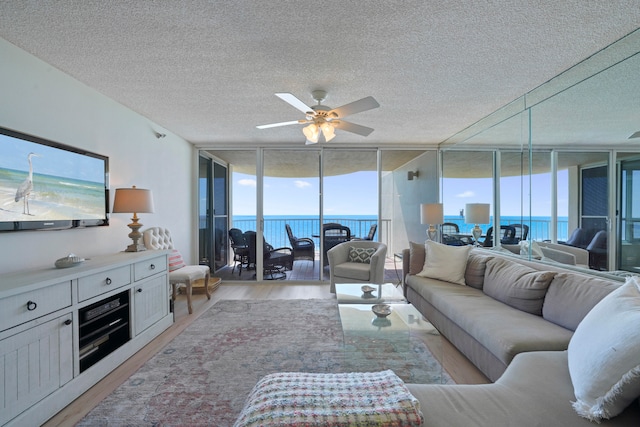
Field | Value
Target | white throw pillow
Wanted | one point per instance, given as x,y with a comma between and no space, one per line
445,262
604,355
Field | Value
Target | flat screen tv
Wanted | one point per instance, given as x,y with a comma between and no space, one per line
45,185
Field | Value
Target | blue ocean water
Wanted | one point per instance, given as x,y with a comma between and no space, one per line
309,226
302,226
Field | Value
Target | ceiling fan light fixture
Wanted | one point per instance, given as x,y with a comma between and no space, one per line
328,131
311,132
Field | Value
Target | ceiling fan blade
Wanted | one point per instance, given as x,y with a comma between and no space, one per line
294,102
354,107
352,127
275,125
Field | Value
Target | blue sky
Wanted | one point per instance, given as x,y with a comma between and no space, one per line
299,196
51,161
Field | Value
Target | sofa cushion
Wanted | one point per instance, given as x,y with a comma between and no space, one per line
416,257
571,296
476,266
501,329
517,285
362,255
445,262
604,355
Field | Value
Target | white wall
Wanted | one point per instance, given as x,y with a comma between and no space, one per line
40,100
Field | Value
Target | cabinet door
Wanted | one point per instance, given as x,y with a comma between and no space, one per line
33,364
150,302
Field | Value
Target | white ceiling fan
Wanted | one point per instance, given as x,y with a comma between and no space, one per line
323,119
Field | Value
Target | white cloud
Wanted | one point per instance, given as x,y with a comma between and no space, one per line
301,184
466,194
247,182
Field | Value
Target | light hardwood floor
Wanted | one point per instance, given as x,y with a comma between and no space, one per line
460,369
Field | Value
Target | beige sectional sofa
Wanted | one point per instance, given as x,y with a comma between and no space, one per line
514,320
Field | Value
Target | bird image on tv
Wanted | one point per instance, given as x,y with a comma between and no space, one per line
39,182
24,190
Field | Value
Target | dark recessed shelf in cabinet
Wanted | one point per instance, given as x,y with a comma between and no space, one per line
104,326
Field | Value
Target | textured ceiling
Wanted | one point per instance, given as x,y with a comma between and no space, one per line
208,70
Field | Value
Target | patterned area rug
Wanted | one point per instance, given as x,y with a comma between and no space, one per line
203,377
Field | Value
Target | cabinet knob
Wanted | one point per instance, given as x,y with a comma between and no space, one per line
152,266
31,305
139,290
67,322
108,281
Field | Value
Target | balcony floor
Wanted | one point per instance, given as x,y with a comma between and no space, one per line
304,270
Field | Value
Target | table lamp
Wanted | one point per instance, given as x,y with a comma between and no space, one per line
476,213
133,200
431,213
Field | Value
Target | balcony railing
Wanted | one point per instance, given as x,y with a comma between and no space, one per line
276,235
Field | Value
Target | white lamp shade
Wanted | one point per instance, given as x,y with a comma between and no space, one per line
431,213
476,213
133,200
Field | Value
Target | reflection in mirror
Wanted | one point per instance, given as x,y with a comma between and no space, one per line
629,208
467,177
582,194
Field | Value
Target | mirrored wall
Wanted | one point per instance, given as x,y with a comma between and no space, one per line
566,155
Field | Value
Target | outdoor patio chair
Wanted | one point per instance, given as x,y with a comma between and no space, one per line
508,236
522,231
576,239
240,249
350,262
303,247
158,238
598,251
370,235
449,232
275,261
333,234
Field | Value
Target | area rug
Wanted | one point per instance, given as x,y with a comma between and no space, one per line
203,377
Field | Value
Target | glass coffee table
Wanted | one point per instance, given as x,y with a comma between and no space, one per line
352,293
398,333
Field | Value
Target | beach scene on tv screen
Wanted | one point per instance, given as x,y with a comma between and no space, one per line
43,183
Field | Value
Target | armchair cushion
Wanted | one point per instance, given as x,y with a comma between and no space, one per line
353,270
342,270
362,255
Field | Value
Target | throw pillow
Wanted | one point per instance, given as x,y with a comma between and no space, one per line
604,355
517,285
175,260
474,274
571,297
445,262
362,255
416,257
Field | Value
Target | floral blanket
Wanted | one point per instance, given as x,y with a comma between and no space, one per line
378,399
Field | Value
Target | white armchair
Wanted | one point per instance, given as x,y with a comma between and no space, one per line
158,238
346,269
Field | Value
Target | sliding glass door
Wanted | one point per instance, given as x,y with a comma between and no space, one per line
291,207
213,213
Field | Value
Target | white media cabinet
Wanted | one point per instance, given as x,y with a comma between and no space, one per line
62,330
